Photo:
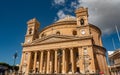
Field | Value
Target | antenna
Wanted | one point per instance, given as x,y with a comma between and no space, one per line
117,33
113,44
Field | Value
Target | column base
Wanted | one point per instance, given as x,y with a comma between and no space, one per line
63,72
70,72
47,72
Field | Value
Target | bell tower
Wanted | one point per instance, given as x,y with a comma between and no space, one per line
32,30
82,16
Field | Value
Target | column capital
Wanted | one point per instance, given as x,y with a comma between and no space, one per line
63,49
55,49
71,48
42,51
36,51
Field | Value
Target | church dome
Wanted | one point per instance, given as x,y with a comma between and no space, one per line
67,18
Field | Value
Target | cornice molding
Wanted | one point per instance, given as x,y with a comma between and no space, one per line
64,38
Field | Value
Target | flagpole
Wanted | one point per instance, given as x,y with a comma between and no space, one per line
113,44
117,32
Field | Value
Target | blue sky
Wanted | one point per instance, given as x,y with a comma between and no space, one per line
15,13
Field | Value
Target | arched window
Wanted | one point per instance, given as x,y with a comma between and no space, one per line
82,21
74,32
58,33
30,31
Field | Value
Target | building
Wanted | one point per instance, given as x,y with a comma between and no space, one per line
114,59
3,70
70,45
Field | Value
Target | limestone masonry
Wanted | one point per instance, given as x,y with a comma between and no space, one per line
69,45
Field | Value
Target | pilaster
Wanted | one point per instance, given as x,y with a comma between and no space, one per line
22,61
28,63
81,66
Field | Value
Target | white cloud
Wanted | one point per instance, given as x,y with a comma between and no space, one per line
75,4
61,14
110,52
103,13
68,9
59,2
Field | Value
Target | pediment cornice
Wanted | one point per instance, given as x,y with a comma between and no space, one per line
56,39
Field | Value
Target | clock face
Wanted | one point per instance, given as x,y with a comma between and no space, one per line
82,31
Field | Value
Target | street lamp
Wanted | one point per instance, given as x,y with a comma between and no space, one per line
14,57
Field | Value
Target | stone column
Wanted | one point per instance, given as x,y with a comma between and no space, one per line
72,60
35,60
28,63
39,59
106,67
48,61
58,67
81,66
98,62
63,61
41,62
22,61
56,60
102,63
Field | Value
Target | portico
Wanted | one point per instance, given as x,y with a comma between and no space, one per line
53,61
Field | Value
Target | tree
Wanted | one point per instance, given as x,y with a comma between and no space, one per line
5,64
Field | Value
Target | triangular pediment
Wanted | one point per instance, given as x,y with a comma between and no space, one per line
53,38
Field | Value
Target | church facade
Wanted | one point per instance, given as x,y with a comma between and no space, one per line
69,45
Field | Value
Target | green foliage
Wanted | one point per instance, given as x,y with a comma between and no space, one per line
16,68
5,64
